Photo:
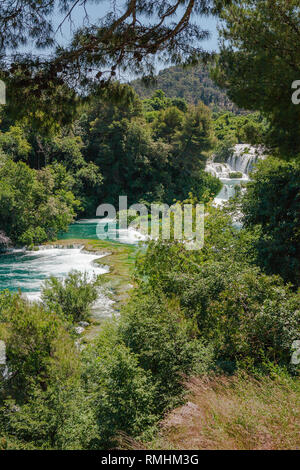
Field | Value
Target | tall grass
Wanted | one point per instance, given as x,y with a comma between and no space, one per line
240,413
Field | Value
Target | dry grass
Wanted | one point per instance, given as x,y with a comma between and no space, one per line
239,413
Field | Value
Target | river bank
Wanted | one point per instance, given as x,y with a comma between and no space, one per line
116,281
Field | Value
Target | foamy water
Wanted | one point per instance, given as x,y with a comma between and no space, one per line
243,160
27,270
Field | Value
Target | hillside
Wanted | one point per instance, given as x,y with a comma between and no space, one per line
193,84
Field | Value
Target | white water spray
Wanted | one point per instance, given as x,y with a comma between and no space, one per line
243,161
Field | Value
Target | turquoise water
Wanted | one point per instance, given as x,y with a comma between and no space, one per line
85,229
91,229
27,270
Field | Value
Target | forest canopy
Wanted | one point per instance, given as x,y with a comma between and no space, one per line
192,84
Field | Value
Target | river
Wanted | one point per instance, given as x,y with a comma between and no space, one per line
27,270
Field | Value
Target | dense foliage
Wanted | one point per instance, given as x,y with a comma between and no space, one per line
160,160
34,205
258,63
246,314
271,206
192,84
250,128
226,309
152,151
193,313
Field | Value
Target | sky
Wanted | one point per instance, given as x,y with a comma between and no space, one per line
97,10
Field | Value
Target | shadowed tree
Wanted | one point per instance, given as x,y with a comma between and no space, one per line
259,61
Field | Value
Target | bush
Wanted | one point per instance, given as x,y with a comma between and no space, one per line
60,417
123,391
271,206
165,341
236,174
38,346
255,318
247,315
71,297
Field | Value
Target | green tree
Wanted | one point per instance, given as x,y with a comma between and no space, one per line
155,329
37,344
65,153
271,205
123,391
61,418
167,123
71,297
196,139
14,143
259,61
32,209
192,144
157,102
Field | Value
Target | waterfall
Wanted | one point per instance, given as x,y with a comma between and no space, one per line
242,160
220,170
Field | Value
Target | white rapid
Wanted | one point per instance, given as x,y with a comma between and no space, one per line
242,160
245,157
27,270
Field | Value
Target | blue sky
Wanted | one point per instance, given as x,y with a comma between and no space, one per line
97,9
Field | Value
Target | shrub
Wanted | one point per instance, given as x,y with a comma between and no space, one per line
123,391
246,314
235,175
256,317
166,343
33,337
60,417
71,297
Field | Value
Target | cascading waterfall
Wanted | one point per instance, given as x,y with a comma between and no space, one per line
220,170
242,160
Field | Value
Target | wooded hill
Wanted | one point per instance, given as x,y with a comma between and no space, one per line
193,84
